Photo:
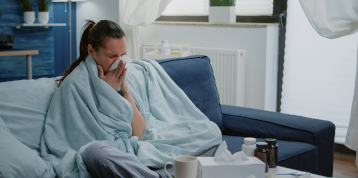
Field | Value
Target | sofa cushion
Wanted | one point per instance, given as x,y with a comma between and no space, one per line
17,160
23,107
294,155
194,75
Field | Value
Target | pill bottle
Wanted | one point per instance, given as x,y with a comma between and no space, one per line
272,152
249,146
165,43
262,153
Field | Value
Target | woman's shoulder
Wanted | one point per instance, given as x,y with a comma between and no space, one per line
77,76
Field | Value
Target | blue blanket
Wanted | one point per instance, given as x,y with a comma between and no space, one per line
85,108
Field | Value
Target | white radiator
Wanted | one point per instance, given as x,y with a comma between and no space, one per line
229,72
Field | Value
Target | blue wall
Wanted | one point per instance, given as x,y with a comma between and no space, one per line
61,35
52,42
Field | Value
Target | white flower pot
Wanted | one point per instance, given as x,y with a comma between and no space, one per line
43,17
29,17
222,14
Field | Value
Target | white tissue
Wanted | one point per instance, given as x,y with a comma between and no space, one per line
123,58
224,155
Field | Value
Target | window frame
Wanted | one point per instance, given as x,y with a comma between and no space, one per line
281,50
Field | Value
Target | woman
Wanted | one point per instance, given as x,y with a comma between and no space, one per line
106,43
150,123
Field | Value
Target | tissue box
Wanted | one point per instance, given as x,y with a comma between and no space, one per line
208,168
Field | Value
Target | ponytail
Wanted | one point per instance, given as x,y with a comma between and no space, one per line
83,49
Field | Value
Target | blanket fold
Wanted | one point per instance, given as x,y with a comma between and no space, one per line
85,108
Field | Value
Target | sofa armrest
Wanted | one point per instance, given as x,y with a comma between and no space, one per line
239,121
246,122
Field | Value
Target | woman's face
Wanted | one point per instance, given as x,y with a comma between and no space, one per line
112,50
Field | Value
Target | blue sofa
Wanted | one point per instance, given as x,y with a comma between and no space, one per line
304,144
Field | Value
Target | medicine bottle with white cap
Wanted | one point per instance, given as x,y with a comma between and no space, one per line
249,146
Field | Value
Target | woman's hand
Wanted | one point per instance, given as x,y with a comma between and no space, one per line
115,78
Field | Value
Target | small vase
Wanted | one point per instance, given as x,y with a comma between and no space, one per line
29,17
222,14
43,17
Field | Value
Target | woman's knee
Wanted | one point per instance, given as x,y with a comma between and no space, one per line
99,150
102,159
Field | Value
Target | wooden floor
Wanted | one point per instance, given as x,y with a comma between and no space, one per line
344,167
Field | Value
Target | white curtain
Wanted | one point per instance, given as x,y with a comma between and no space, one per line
333,19
141,13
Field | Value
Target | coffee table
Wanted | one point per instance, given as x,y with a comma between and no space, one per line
281,170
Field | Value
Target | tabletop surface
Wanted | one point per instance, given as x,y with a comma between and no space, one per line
17,51
282,170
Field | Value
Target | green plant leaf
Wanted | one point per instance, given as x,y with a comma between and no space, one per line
43,5
26,5
222,2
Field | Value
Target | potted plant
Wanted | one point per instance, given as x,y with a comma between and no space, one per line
222,11
43,15
29,15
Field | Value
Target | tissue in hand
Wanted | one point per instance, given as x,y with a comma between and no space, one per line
123,58
224,155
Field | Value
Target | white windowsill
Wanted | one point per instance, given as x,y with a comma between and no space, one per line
216,24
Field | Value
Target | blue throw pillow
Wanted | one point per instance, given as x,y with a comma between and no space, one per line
17,160
194,75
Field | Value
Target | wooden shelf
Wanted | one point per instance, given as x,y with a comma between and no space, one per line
17,52
18,26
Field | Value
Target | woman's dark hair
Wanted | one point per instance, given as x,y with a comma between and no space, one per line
94,34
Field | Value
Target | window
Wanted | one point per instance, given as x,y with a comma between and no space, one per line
246,11
187,8
201,7
254,7
319,73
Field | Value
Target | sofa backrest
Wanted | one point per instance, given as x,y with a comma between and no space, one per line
194,75
23,108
